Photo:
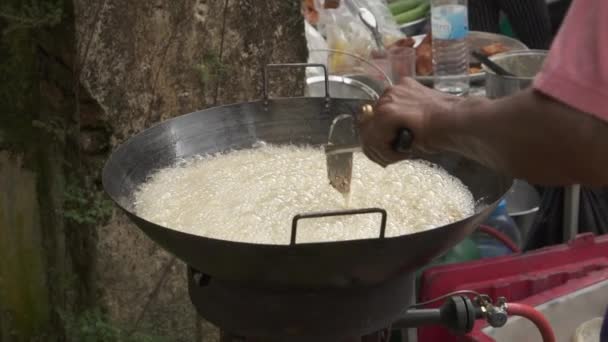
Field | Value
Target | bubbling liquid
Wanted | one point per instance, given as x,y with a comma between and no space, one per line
252,195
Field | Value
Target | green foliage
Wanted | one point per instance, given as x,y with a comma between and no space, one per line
54,127
85,205
17,86
93,325
30,14
18,71
211,69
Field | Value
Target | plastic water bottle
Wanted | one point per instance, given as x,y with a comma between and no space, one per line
450,28
501,221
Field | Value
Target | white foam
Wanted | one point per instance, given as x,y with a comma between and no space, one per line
252,195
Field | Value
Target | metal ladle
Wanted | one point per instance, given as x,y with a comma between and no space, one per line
369,19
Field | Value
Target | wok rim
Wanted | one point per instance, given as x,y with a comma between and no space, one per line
125,144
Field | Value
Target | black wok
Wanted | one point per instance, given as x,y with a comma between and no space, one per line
315,265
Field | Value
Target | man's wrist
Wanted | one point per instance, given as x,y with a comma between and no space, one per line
452,123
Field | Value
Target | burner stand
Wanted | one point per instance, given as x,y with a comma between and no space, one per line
380,336
299,315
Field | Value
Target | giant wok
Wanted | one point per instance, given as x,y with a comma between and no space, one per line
340,264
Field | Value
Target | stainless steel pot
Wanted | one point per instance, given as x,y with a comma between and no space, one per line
525,64
344,87
350,86
523,202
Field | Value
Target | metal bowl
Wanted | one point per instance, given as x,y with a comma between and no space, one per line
524,64
343,87
523,202
477,40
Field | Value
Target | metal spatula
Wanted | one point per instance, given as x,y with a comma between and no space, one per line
340,165
343,140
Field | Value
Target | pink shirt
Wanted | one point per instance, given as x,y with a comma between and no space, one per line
576,71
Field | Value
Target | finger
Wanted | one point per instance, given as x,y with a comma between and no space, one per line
369,154
386,91
380,156
391,157
384,101
389,114
374,156
405,80
389,154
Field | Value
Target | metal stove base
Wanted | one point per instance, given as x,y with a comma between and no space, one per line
381,336
272,315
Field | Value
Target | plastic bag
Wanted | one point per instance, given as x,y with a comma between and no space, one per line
349,9
317,47
386,22
345,31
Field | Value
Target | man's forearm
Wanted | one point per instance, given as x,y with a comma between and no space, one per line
528,136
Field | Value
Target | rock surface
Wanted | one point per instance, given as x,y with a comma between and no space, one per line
146,61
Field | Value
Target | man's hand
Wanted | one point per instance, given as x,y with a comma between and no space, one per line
406,105
528,135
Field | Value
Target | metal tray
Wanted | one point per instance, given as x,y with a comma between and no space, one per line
477,40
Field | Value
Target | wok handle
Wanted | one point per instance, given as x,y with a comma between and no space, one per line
404,140
295,65
296,218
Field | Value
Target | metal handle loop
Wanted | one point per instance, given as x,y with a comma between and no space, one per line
296,218
295,65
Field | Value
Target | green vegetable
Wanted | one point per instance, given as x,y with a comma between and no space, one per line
414,14
402,6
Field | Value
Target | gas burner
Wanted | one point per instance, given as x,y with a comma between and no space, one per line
280,314
380,336
248,314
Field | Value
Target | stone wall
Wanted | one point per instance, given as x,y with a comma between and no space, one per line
22,270
146,61
34,151
76,79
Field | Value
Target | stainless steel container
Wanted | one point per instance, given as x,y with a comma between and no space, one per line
525,64
523,202
344,87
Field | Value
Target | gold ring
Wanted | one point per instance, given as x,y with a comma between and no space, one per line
367,112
